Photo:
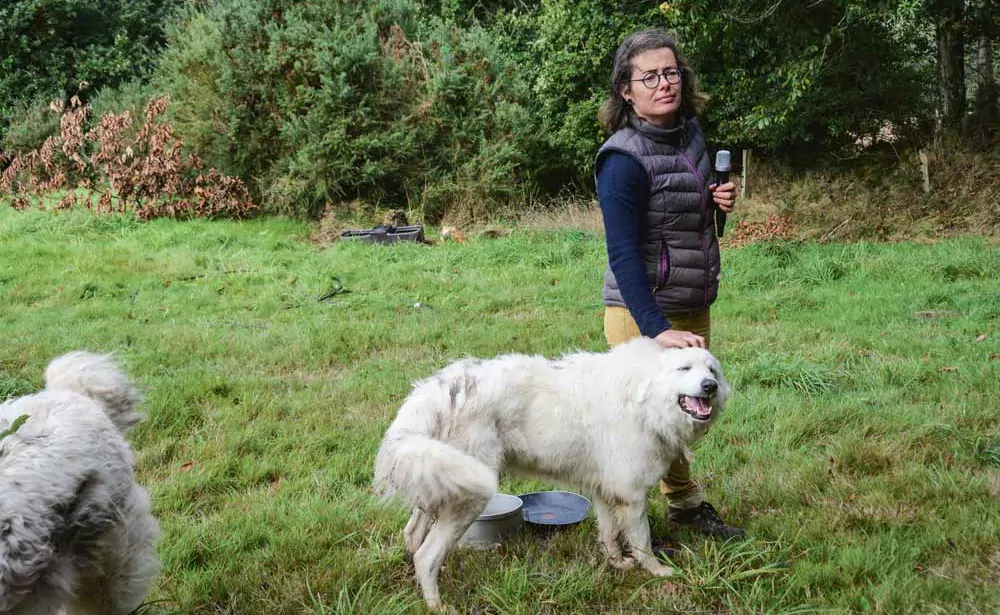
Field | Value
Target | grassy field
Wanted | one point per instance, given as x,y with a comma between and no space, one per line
861,449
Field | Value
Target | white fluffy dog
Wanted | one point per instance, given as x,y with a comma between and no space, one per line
609,424
76,533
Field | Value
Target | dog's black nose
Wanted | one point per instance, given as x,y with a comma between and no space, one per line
709,386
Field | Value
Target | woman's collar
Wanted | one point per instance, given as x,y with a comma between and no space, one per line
656,133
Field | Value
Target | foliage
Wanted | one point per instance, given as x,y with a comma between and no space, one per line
326,101
453,107
48,48
140,169
783,77
12,429
567,48
32,123
804,75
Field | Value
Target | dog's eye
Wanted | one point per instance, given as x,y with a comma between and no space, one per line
686,368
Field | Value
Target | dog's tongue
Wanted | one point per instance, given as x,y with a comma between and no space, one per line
698,405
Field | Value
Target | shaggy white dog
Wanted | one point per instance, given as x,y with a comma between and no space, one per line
76,533
608,424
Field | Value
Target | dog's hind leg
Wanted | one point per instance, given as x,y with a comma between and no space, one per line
450,525
608,534
635,524
416,530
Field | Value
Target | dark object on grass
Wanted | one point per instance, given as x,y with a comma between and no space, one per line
704,519
338,288
665,547
550,510
386,234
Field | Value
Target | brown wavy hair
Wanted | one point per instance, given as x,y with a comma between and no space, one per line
615,111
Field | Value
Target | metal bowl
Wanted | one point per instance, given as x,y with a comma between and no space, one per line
553,509
500,519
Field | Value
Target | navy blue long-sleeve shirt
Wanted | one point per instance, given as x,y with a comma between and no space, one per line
623,191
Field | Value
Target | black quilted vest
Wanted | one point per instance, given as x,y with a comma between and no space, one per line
679,245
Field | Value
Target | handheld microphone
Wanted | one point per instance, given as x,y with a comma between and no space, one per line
722,168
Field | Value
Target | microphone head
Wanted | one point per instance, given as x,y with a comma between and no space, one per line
722,162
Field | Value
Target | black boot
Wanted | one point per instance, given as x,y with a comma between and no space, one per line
665,547
704,519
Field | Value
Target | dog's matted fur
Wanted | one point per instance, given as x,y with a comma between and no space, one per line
76,533
608,424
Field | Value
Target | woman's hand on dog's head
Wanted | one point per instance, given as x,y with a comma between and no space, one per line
672,338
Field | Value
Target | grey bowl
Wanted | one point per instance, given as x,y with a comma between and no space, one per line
501,518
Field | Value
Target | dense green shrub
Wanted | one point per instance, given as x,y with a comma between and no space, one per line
567,48
48,48
328,101
32,122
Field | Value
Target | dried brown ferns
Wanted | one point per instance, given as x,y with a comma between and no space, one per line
116,167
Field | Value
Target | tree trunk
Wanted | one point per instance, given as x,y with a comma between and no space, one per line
951,62
987,106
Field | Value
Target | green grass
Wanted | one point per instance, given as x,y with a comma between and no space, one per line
861,449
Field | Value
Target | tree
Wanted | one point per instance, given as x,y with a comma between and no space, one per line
984,28
949,33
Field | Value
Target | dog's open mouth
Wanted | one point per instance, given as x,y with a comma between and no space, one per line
699,408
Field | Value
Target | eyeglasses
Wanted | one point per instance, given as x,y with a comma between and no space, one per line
652,80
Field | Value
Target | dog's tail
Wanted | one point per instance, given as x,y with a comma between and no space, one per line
99,378
423,471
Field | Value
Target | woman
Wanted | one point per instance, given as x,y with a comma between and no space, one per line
653,183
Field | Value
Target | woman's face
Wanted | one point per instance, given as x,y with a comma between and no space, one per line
658,105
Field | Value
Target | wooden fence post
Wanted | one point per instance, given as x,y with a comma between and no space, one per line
925,171
744,175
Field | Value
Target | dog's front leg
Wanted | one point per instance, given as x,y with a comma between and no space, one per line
635,525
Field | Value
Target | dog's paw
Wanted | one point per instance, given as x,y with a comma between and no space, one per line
621,562
659,570
442,609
